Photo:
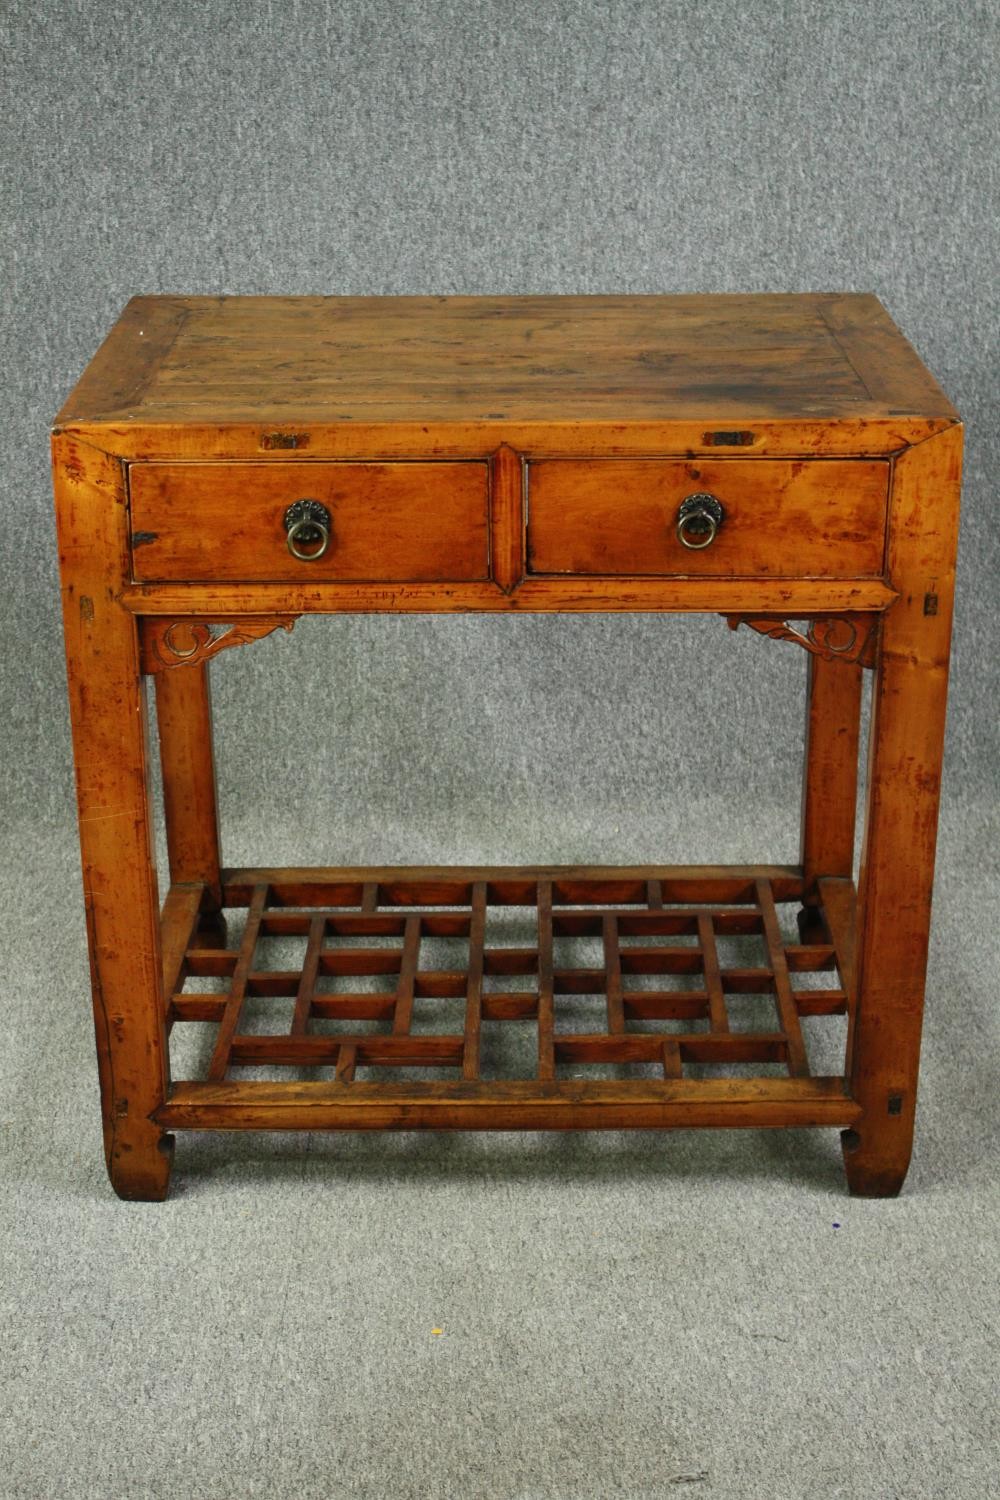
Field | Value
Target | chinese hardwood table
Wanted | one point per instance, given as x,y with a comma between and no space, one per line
228,464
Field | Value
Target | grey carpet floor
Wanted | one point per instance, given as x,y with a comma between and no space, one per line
619,1314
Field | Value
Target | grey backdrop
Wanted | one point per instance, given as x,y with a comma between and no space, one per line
493,147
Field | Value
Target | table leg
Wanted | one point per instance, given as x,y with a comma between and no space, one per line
184,720
904,777
108,716
829,782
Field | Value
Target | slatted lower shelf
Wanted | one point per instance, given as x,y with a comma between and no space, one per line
529,998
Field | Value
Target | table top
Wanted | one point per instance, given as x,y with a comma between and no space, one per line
459,365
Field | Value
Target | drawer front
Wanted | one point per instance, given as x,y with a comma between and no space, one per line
806,518
389,522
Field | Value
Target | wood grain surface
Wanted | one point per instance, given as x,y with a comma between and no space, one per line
408,376
803,519
389,521
507,454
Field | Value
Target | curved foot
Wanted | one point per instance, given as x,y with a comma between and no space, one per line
875,1168
139,1167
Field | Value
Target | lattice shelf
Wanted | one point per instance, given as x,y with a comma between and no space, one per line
624,992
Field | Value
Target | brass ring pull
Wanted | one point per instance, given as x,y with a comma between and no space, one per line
307,524
698,520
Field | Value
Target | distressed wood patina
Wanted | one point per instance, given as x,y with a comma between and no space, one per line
228,464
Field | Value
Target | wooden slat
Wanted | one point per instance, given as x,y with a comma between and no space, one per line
840,907
589,922
787,597
713,1047
821,1002
788,1015
451,885
474,993
568,1105
713,980
546,1001
307,983
613,975
673,1005
747,981
403,1015
359,961
650,960
350,1007
312,1051
362,924
809,958
512,1006
346,1061
237,989
196,1007
672,1066
178,922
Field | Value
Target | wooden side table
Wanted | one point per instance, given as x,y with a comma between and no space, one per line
227,464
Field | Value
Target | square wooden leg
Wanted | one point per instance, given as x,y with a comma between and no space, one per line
830,781
108,715
184,721
904,778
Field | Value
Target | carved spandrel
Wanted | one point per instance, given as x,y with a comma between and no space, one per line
846,637
184,642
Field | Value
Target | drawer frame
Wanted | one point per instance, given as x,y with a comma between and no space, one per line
186,503
766,526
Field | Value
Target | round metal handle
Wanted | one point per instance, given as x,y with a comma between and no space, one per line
698,520
307,524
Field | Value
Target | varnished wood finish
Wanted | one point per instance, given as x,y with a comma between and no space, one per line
108,716
390,522
677,914
506,518
830,779
904,784
751,1103
179,933
782,520
453,884
508,455
839,916
187,762
165,644
332,377
789,597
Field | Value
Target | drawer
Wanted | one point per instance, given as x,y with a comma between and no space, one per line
805,518
388,521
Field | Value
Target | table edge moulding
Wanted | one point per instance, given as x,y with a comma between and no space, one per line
226,465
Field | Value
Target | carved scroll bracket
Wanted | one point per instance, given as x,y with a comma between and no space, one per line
847,637
185,642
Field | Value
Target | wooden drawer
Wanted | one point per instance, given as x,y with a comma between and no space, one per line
389,521
811,518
